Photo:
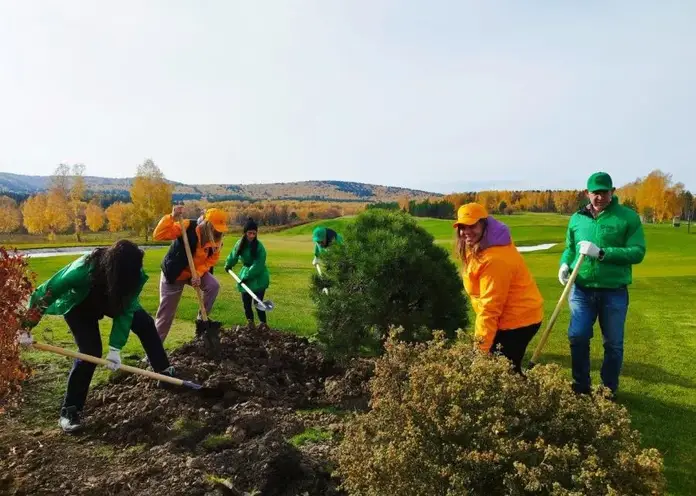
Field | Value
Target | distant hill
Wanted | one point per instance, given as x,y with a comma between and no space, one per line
18,184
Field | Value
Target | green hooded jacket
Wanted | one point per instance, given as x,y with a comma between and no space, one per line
319,235
68,287
619,232
254,273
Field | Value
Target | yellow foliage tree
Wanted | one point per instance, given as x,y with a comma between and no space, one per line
151,195
46,213
118,215
10,215
94,217
69,182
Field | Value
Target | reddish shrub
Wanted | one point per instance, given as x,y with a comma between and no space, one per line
16,284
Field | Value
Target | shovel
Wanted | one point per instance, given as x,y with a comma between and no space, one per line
325,290
264,306
126,368
556,311
209,330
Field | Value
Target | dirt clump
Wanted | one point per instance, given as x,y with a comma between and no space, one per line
233,437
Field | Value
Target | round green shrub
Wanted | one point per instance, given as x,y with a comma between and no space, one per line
446,419
388,272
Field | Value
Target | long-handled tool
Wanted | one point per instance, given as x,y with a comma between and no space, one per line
264,306
126,368
325,290
209,330
556,311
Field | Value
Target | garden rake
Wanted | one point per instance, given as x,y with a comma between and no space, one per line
556,311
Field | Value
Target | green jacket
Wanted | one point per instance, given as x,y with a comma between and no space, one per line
254,273
319,235
619,232
68,287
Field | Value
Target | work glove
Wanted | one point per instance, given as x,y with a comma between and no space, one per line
564,274
195,281
589,249
325,291
114,357
315,261
25,339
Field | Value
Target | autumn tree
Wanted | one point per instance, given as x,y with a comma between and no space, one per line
94,217
151,195
118,216
46,213
69,183
10,215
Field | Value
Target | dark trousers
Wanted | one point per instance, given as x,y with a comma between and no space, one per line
84,325
248,309
514,343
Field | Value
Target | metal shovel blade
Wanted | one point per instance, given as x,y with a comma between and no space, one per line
265,306
209,331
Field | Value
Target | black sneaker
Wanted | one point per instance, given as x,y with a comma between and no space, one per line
167,385
70,419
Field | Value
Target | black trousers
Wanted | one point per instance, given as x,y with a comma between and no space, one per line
514,343
248,305
84,325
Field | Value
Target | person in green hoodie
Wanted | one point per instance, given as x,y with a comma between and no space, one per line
323,238
105,282
611,237
254,273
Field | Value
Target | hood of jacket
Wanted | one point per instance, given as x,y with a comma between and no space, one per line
497,234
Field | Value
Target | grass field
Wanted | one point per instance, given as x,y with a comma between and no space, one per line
658,381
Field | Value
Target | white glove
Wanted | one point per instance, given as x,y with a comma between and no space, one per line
25,339
114,357
325,291
315,261
564,274
589,249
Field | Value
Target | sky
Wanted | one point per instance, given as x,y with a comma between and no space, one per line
432,94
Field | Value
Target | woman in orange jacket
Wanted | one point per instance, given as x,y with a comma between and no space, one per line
205,240
503,294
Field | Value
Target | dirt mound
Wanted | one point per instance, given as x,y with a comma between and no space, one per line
266,423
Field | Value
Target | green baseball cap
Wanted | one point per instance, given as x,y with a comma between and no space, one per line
599,181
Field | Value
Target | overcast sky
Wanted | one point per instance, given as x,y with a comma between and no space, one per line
435,94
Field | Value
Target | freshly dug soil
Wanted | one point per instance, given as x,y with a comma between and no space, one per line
230,438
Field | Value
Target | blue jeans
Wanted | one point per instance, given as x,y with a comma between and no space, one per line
586,305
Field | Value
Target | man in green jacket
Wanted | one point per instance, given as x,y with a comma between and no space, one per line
612,240
324,237
106,282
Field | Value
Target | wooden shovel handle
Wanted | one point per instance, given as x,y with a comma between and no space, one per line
192,268
101,361
557,310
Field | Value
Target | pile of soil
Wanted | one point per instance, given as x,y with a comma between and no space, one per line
230,438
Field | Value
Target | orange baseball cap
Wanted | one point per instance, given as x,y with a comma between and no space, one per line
470,214
218,218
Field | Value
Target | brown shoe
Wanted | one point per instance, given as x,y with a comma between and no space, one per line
250,324
263,326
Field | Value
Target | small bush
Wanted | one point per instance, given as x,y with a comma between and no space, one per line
388,272
16,284
449,420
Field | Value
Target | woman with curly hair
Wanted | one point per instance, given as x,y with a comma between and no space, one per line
105,282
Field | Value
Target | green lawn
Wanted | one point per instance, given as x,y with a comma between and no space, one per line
659,379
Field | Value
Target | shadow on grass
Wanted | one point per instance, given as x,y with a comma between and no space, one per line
641,371
670,428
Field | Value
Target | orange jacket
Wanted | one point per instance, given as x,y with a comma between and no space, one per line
502,291
204,257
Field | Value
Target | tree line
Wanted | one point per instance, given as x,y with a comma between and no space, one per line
67,207
656,197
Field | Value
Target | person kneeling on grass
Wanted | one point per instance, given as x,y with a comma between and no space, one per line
254,273
205,241
106,282
503,294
